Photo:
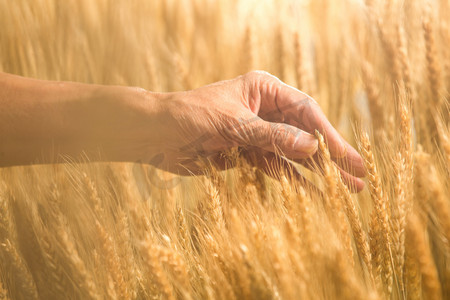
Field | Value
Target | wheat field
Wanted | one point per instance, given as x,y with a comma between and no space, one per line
380,71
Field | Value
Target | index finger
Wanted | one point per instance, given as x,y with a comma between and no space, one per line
300,110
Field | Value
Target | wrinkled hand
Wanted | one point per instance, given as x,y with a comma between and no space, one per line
255,111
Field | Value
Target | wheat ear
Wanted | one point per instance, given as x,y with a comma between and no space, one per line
178,268
6,224
399,221
412,275
3,291
53,263
20,271
80,273
126,254
379,215
215,206
439,201
151,254
359,234
418,244
182,228
372,90
112,261
434,71
402,49
332,178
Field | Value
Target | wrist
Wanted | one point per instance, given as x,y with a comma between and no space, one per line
123,123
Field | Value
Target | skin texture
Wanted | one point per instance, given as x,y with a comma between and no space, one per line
45,121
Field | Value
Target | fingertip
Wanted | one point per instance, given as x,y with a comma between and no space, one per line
357,186
354,184
350,160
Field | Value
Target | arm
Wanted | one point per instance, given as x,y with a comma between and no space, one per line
42,120
39,120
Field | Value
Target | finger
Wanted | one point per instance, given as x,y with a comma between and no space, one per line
278,137
283,103
354,184
309,117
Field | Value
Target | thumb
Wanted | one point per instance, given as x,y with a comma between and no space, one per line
291,141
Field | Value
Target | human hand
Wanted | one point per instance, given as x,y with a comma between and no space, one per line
44,121
255,111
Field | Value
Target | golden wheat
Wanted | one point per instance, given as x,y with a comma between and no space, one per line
107,231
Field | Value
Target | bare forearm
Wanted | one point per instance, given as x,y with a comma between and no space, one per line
42,120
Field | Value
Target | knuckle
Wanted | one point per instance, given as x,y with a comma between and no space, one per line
259,133
279,134
259,75
240,131
285,136
310,100
306,105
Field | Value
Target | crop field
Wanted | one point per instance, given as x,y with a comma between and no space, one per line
380,71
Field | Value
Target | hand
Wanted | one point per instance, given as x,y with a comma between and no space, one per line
255,111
